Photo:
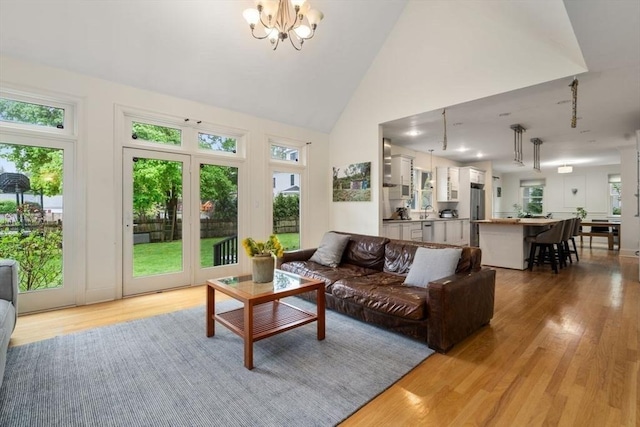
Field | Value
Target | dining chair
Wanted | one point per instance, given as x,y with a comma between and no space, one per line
604,230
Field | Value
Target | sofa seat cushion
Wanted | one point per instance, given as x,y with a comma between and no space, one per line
385,293
326,274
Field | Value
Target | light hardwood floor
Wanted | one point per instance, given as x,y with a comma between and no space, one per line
561,350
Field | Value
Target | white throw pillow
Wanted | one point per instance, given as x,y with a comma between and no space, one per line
432,264
330,251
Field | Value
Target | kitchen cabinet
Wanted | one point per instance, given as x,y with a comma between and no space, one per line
476,176
391,231
452,232
401,175
447,184
403,230
439,233
401,169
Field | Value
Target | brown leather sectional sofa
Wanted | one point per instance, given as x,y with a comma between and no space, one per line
368,285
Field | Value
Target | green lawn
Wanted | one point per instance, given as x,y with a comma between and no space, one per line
159,258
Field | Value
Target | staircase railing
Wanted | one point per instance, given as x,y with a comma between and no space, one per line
226,251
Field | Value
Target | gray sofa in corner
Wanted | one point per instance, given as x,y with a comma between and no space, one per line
8,307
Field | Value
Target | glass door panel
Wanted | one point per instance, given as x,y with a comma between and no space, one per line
156,238
218,215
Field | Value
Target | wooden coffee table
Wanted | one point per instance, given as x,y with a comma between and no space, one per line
263,314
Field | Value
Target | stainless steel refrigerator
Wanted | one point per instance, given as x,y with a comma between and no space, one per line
477,212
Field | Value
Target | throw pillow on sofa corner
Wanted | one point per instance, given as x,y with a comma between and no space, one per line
431,264
329,252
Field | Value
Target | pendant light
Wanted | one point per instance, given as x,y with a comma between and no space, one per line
517,144
537,142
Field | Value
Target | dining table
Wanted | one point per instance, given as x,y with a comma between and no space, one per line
615,229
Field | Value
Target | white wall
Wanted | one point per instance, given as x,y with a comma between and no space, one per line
99,177
442,53
592,184
630,242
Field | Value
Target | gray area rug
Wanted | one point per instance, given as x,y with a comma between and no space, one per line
164,371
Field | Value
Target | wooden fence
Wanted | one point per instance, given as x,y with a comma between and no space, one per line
159,230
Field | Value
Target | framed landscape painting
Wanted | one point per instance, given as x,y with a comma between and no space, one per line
352,183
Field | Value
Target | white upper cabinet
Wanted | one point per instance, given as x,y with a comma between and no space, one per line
401,175
447,184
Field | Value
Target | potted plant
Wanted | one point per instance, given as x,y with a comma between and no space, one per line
581,213
262,256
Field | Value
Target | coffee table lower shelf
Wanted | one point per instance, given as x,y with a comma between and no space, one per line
269,319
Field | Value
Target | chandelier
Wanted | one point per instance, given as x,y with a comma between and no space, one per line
284,19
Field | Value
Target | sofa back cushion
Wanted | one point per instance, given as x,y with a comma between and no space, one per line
399,256
365,251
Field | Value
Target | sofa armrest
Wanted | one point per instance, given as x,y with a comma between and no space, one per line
458,306
9,281
297,255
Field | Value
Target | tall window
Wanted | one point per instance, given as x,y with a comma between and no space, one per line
615,195
288,161
422,194
37,209
532,191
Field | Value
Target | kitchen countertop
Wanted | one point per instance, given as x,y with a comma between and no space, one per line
392,221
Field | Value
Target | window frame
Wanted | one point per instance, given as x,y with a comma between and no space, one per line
70,124
532,183
614,179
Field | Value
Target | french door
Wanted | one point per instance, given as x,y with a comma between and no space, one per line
157,212
180,220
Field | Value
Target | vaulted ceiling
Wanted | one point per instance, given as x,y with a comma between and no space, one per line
202,50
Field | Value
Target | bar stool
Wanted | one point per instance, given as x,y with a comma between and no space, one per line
576,232
567,234
547,240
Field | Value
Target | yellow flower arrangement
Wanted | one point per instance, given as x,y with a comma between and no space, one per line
271,247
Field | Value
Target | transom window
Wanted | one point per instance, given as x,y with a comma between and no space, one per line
36,114
226,144
281,152
156,133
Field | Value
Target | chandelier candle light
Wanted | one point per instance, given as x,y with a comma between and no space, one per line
284,19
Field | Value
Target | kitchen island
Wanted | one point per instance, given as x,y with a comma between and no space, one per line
502,240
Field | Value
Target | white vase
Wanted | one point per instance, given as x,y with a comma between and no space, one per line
263,266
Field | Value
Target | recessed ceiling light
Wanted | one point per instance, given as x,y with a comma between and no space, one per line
413,133
592,141
504,114
462,149
564,101
479,155
457,124
585,131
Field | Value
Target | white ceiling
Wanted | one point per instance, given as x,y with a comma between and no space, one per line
202,50
608,104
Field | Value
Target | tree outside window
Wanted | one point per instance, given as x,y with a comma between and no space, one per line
532,199
615,198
